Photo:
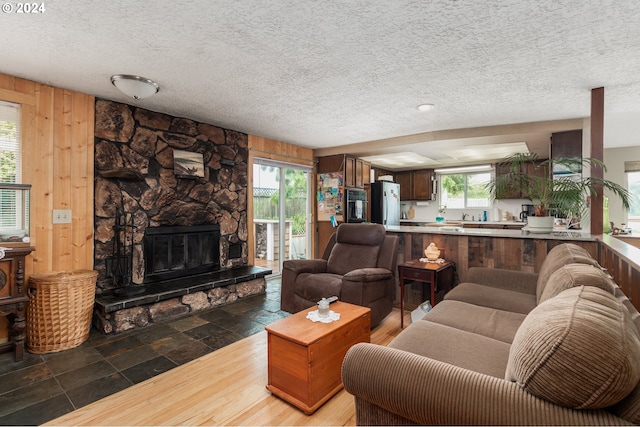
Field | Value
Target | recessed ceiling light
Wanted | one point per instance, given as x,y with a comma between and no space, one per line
426,107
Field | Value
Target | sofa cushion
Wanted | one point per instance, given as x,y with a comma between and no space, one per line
559,256
357,246
314,287
454,346
489,322
572,275
580,350
489,296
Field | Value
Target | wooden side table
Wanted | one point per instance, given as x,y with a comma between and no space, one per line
13,296
305,357
418,271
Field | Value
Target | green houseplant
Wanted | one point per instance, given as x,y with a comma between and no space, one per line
564,195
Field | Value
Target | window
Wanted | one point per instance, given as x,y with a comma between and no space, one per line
9,143
633,179
11,203
465,190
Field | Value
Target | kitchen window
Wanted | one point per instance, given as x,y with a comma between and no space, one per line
465,190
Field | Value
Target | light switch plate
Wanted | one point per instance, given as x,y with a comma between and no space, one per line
62,216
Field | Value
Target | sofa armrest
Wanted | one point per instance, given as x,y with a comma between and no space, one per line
364,285
519,281
427,391
290,271
298,266
368,275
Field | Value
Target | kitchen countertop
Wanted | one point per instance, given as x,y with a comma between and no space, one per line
422,221
487,232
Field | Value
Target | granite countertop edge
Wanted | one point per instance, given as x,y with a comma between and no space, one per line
480,232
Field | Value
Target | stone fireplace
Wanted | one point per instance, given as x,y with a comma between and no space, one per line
175,225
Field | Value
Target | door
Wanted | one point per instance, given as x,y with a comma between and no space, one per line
281,213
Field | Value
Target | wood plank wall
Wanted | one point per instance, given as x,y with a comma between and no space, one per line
520,254
273,150
57,155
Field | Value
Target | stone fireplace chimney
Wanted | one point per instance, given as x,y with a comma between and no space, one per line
134,173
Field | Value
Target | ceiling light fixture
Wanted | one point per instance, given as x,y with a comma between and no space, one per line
135,86
426,107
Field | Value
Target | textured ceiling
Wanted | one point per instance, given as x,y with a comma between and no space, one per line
332,73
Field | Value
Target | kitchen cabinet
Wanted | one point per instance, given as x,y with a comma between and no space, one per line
416,185
566,144
356,171
405,179
366,173
422,184
536,169
377,173
539,170
502,170
349,171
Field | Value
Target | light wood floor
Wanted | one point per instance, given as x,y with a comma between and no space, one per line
226,387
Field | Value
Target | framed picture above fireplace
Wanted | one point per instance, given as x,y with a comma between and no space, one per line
187,164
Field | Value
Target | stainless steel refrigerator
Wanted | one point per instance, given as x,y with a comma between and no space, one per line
385,203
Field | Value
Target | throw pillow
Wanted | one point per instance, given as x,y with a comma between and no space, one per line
579,349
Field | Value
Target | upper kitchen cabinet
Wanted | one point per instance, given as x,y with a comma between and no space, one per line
538,169
377,173
405,179
502,170
416,185
423,184
356,171
566,144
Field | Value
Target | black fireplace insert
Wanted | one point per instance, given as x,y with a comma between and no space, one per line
171,252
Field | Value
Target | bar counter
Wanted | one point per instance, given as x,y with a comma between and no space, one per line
475,247
519,250
557,234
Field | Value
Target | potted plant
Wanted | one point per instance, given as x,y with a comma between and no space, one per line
566,194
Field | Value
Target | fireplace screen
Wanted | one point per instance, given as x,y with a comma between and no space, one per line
172,252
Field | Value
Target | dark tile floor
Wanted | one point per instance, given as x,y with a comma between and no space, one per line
43,387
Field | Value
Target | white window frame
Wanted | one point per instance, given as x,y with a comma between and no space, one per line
466,188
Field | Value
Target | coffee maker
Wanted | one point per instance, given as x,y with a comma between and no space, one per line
527,210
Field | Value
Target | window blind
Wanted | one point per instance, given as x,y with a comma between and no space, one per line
632,166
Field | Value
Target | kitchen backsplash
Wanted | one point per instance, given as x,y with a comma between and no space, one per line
427,211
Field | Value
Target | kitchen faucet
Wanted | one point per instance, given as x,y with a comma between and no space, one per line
464,216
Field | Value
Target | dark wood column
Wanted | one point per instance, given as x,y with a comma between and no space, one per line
597,152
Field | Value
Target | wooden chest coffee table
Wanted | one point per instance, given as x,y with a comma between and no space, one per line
305,357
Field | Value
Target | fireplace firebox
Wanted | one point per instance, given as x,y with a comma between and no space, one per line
172,252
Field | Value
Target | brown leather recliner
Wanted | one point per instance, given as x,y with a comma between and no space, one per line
358,266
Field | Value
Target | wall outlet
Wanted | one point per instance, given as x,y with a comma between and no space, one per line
62,216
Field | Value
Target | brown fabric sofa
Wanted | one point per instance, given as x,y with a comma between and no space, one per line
561,347
358,266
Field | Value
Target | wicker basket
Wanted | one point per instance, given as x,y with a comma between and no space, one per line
60,310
